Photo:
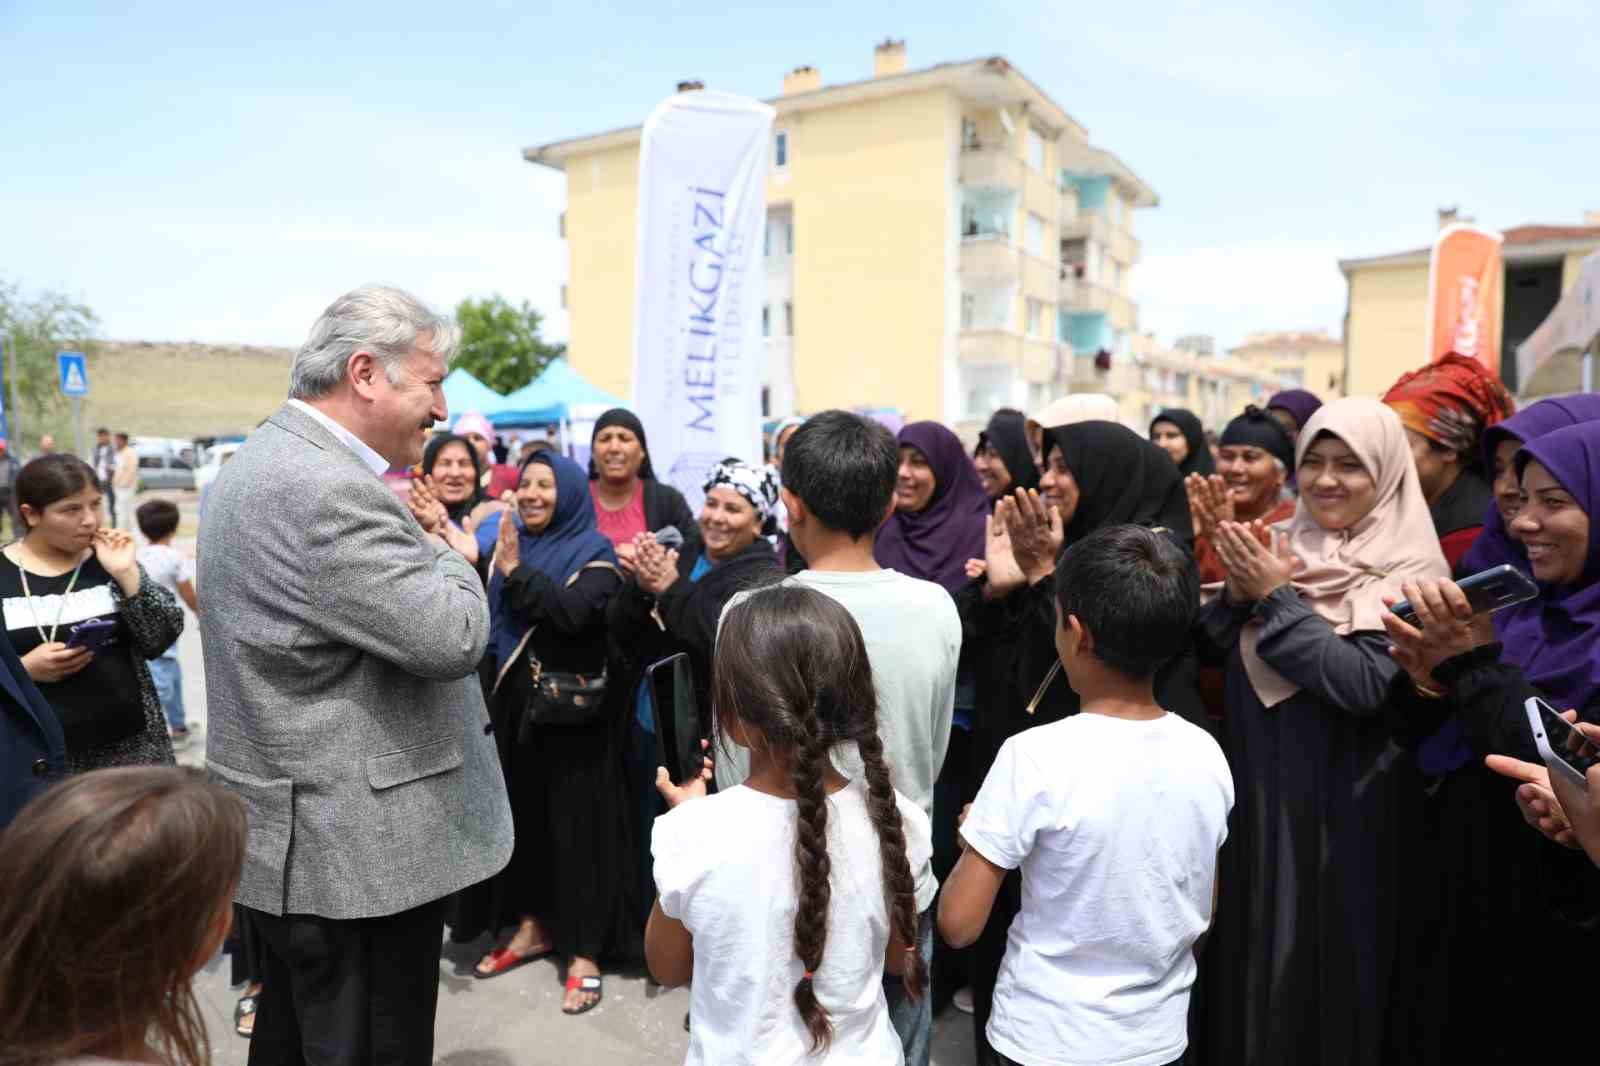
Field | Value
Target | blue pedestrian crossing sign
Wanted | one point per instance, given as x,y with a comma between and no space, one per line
74,373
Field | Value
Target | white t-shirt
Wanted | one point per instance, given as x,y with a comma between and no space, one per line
913,638
724,867
167,566
1116,826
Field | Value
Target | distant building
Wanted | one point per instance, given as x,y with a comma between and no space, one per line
1203,344
1305,360
1149,379
944,241
1386,324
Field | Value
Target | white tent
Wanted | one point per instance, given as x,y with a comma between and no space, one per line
1571,333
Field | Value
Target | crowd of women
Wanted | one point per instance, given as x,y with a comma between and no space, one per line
1379,890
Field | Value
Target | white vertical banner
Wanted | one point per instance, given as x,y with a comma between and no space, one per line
697,352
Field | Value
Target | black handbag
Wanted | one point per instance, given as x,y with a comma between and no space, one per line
557,698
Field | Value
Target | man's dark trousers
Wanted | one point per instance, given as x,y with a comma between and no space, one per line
350,992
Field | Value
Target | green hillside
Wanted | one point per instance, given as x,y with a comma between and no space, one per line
188,390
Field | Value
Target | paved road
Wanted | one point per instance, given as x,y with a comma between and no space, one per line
514,1020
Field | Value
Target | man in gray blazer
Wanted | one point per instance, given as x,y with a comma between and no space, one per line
343,705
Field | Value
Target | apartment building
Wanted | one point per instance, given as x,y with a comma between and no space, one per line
1386,324
1151,378
941,241
1301,360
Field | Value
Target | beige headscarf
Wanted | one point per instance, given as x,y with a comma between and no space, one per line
1069,410
1343,574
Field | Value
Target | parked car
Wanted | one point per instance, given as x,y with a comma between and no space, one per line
162,467
209,467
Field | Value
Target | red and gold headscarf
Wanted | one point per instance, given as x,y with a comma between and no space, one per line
1451,402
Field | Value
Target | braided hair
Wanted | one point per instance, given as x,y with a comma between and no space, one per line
792,667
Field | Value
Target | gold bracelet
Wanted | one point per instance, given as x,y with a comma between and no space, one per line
1428,692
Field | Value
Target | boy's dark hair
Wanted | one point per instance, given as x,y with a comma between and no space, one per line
158,519
792,667
843,467
1135,591
52,478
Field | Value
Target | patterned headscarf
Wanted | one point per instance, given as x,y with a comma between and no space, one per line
758,485
1451,402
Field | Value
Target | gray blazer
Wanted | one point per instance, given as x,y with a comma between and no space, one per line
343,704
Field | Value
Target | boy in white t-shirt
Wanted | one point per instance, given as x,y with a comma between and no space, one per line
158,521
1114,816
839,473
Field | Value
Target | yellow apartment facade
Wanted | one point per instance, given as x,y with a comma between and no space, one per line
941,241
1386,320
1301,360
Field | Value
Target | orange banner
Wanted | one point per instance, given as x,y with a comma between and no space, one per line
1464,295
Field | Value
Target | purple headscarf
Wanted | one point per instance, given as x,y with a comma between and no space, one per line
1494,546
935,543
1297,402
1555,639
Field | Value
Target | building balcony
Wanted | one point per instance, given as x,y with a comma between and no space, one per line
1079,296
1094,225
990,255
995,168
1038,359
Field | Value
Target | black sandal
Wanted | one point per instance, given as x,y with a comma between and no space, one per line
585,984
245,1008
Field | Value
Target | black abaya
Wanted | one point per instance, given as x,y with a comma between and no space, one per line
571,866
1304,939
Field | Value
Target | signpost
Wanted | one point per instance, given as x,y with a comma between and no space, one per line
74,370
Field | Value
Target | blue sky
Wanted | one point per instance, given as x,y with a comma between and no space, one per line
220,172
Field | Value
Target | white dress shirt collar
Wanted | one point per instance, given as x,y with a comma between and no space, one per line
375,462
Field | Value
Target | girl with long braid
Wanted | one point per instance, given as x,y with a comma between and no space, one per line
788,957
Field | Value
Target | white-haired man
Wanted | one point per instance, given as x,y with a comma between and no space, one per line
341,646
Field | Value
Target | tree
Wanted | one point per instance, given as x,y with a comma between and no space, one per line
500,344
40,327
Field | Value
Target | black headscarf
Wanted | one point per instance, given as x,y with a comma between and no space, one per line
430,457
621,416
1199,460
1257,429
1007,432
1122,479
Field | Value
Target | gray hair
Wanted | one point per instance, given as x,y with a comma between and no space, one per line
374,318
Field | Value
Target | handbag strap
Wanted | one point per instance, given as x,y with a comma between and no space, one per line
505,667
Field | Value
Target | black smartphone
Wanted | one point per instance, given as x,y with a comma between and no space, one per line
1489,590
676,711
93,634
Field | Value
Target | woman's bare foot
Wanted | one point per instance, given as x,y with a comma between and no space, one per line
527,942
578,1000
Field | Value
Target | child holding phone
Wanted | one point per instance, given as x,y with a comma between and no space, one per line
1115,817
116,887
788,954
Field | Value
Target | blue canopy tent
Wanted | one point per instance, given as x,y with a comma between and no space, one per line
464,393
551,399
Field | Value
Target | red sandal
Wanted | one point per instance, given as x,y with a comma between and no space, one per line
585,984
504,960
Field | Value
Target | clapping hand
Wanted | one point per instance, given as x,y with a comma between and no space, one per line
655,567
425,507
694,788
1035,531
1446,627
507,552
1258,563
1210,503
998,564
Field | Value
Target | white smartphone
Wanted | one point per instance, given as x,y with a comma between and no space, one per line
1565,750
